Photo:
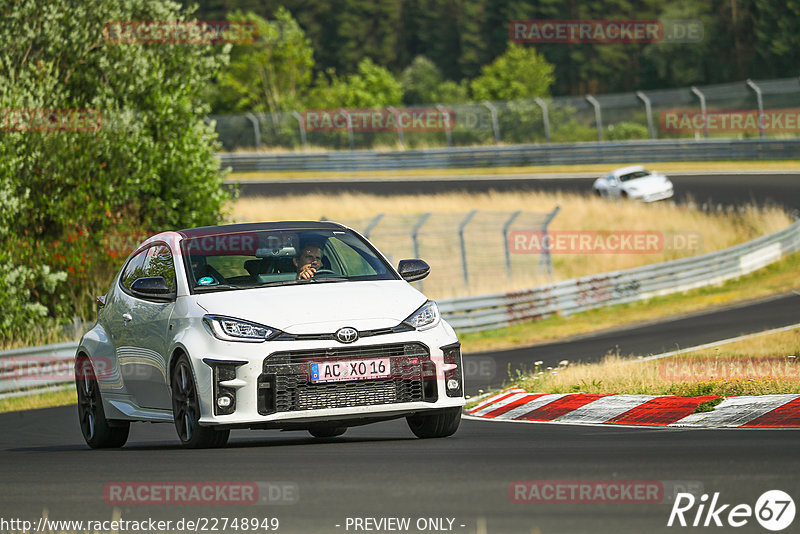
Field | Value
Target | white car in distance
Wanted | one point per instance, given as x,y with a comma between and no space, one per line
634,182
217,328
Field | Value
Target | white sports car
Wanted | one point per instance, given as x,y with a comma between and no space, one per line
634,182
292,325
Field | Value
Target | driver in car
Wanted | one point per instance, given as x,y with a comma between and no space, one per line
308,261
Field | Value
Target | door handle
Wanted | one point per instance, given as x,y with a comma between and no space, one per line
126,317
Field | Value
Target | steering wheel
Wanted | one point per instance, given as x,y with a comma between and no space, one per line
323,271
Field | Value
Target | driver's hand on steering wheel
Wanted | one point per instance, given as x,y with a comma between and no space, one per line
306,272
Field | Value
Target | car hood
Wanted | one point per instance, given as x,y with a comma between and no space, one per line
654,182
319,308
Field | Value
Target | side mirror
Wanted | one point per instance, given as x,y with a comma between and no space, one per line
413,270
152,287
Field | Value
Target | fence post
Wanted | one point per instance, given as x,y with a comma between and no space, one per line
400,138
648,109
545,117
256,128
702,98
349,127
461,227
546,260
415,235
302,125
448,133
506,226
495,125
372,224
598,116
760,101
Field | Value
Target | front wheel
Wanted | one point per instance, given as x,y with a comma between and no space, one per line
99,432
186,411
438,424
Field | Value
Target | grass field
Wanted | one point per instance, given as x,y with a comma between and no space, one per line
759,365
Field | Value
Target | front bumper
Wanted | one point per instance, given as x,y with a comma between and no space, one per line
270,386
659,195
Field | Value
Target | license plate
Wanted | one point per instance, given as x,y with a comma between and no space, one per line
339,370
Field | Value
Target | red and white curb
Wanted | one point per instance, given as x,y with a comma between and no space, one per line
762,411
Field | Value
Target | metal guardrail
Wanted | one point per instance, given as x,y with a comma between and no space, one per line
33,368
469,314
517,155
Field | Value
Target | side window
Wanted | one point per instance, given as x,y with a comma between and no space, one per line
354,264
159,263
133,269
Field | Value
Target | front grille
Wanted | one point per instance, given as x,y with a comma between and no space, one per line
285,336
285,386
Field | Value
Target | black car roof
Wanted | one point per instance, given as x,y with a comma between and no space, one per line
255,227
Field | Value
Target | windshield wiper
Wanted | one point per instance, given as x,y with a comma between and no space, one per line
218,287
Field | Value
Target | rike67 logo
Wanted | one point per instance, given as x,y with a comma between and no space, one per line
774,510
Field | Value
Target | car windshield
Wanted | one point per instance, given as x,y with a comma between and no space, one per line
633,176
247,259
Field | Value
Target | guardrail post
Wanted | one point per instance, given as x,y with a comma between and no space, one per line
546,260
415,236
598,116
372,224
400,138
256,128
461,227
545,117
702,99
349,127
648,109
506,248
495,125
760,102
302,125
447,126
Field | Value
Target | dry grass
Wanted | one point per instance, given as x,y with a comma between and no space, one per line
760,365
578,213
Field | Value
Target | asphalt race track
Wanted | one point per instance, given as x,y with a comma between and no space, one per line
382,471
713,189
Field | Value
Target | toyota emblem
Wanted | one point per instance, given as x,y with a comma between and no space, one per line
347,334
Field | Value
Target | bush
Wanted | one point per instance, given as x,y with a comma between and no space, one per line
147,165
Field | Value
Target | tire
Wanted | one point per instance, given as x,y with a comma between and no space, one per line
186,411
598,193
327,431
99,432
439,424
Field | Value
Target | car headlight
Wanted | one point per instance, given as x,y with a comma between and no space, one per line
230,329
425,317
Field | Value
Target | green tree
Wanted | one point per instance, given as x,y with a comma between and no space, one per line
372,86
144,162
271,74
519,73
420,81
